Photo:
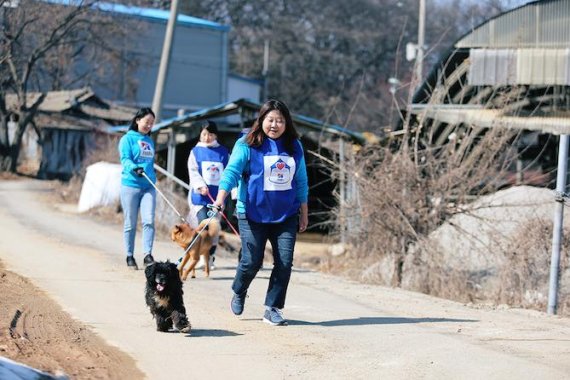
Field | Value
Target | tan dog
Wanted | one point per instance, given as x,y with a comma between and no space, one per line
183,235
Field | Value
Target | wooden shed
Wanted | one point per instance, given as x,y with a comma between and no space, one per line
66,127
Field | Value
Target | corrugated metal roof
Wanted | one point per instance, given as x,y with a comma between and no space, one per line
525,49
528,66
148,13
241,105
538,24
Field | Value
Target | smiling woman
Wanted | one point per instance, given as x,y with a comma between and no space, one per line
136,150
268,166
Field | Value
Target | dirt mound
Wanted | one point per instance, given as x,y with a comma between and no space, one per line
37,332
498,249
475,239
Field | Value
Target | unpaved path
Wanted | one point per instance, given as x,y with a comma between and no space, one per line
338,329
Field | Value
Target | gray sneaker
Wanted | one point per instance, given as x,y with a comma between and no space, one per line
238,302
274,317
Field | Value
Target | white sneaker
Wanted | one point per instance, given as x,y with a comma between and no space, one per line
212,259
200,264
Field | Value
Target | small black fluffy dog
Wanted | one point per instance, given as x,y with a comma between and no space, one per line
163,295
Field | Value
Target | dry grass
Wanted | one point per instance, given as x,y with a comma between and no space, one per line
403,195
398,194
524,279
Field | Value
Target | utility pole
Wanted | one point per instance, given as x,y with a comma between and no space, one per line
342,191
161,80
558,224
164,60
265,71
421,42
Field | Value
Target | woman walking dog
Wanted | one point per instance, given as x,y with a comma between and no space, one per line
136,151
206,164
268,166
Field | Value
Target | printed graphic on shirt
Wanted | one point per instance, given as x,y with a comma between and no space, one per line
146,149
278,172
212,172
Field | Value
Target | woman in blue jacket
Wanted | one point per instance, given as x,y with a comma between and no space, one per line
268,166
136,150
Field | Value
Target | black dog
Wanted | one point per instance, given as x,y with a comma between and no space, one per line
163,295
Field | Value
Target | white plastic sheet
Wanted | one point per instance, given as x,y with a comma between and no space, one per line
101,187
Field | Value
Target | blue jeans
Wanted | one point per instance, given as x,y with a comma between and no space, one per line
133,200
254,236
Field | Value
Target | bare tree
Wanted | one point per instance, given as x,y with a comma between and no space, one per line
45,47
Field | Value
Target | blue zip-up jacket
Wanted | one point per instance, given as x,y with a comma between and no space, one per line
274,203
136,151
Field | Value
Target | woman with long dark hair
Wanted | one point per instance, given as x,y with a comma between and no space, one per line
268,166
136,151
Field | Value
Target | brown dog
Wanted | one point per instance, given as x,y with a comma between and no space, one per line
183,235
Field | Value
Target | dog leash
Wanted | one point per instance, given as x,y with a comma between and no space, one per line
212,213
225,217
163,197
180,216
221,212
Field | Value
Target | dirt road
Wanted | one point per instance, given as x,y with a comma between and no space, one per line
338,329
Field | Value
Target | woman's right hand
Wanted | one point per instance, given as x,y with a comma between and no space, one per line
220,199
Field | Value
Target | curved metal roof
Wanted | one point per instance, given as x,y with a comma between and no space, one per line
540,28
543,24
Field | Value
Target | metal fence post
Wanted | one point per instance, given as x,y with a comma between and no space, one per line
558,224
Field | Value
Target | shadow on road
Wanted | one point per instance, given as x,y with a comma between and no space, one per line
212,333
222,278
376,321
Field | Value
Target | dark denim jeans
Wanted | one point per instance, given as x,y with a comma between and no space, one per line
254,236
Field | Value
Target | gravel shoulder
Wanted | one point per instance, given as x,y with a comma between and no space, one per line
36,331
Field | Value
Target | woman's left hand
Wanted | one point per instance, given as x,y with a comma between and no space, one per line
303,218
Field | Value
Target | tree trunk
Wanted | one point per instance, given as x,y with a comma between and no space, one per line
4,143
5,163
13,157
